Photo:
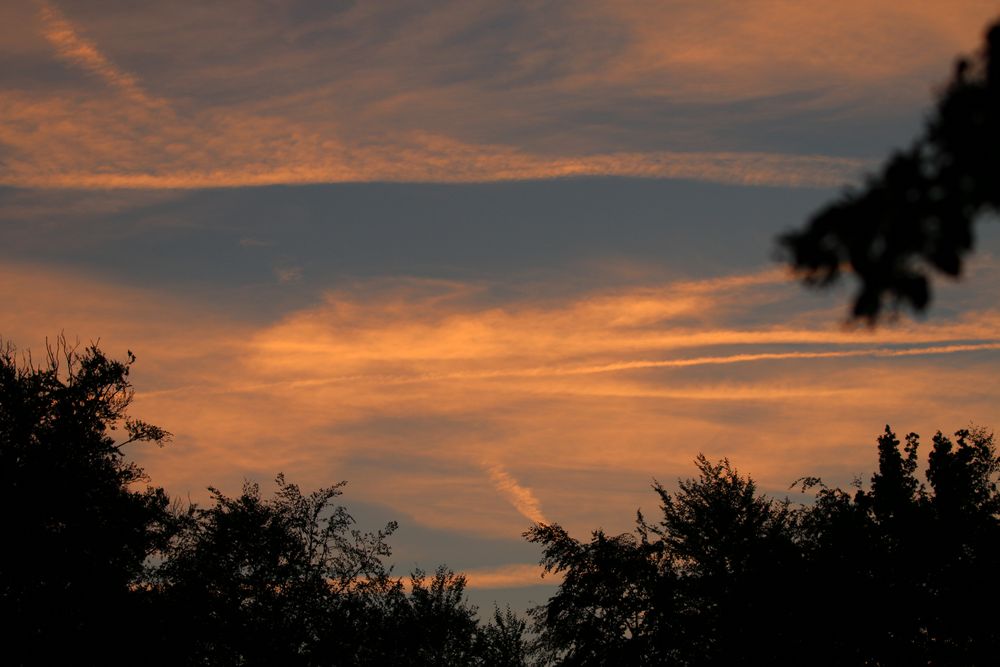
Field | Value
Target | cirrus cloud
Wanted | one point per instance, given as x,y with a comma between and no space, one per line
408,111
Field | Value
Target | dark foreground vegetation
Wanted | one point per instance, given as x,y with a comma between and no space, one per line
101,568
914,218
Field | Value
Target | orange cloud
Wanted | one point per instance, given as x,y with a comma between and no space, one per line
406,388
98,143
76,50
509,576
406,125
766,47
429,334
521,497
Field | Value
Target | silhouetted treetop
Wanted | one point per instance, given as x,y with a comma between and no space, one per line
268,580
705,585
714,524
895,570
96,570
888,573
77,529
915,216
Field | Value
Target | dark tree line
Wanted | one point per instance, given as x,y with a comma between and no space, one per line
895,572
99,567
915,217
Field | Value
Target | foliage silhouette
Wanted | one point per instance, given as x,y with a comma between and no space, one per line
734,554
606,606
691,589
891,574
435,625
264,581
501,642
79,531
917,214
102,572
922,563
290,581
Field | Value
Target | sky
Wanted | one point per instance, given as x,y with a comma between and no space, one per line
492,263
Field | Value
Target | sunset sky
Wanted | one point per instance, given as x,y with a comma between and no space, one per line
490,262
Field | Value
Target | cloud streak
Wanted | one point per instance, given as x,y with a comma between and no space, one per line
405,114
422,394
520,497
514,575
76,50
54,142
769,356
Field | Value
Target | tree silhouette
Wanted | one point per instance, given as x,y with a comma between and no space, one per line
96,571
265,581
501,642
871,542
964,547
920,559
606,609
289,580
77,531
704,586
736,562
893,572
915,217
434,625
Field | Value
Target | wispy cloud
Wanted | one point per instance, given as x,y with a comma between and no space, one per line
54,143
761,47
426,105
767,356
521,497
509,576
288,274
437,336
70,46
424,395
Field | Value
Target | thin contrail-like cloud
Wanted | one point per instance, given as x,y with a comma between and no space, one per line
514,575
521,497
79,51
768,356
543,371
486,166
555,371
